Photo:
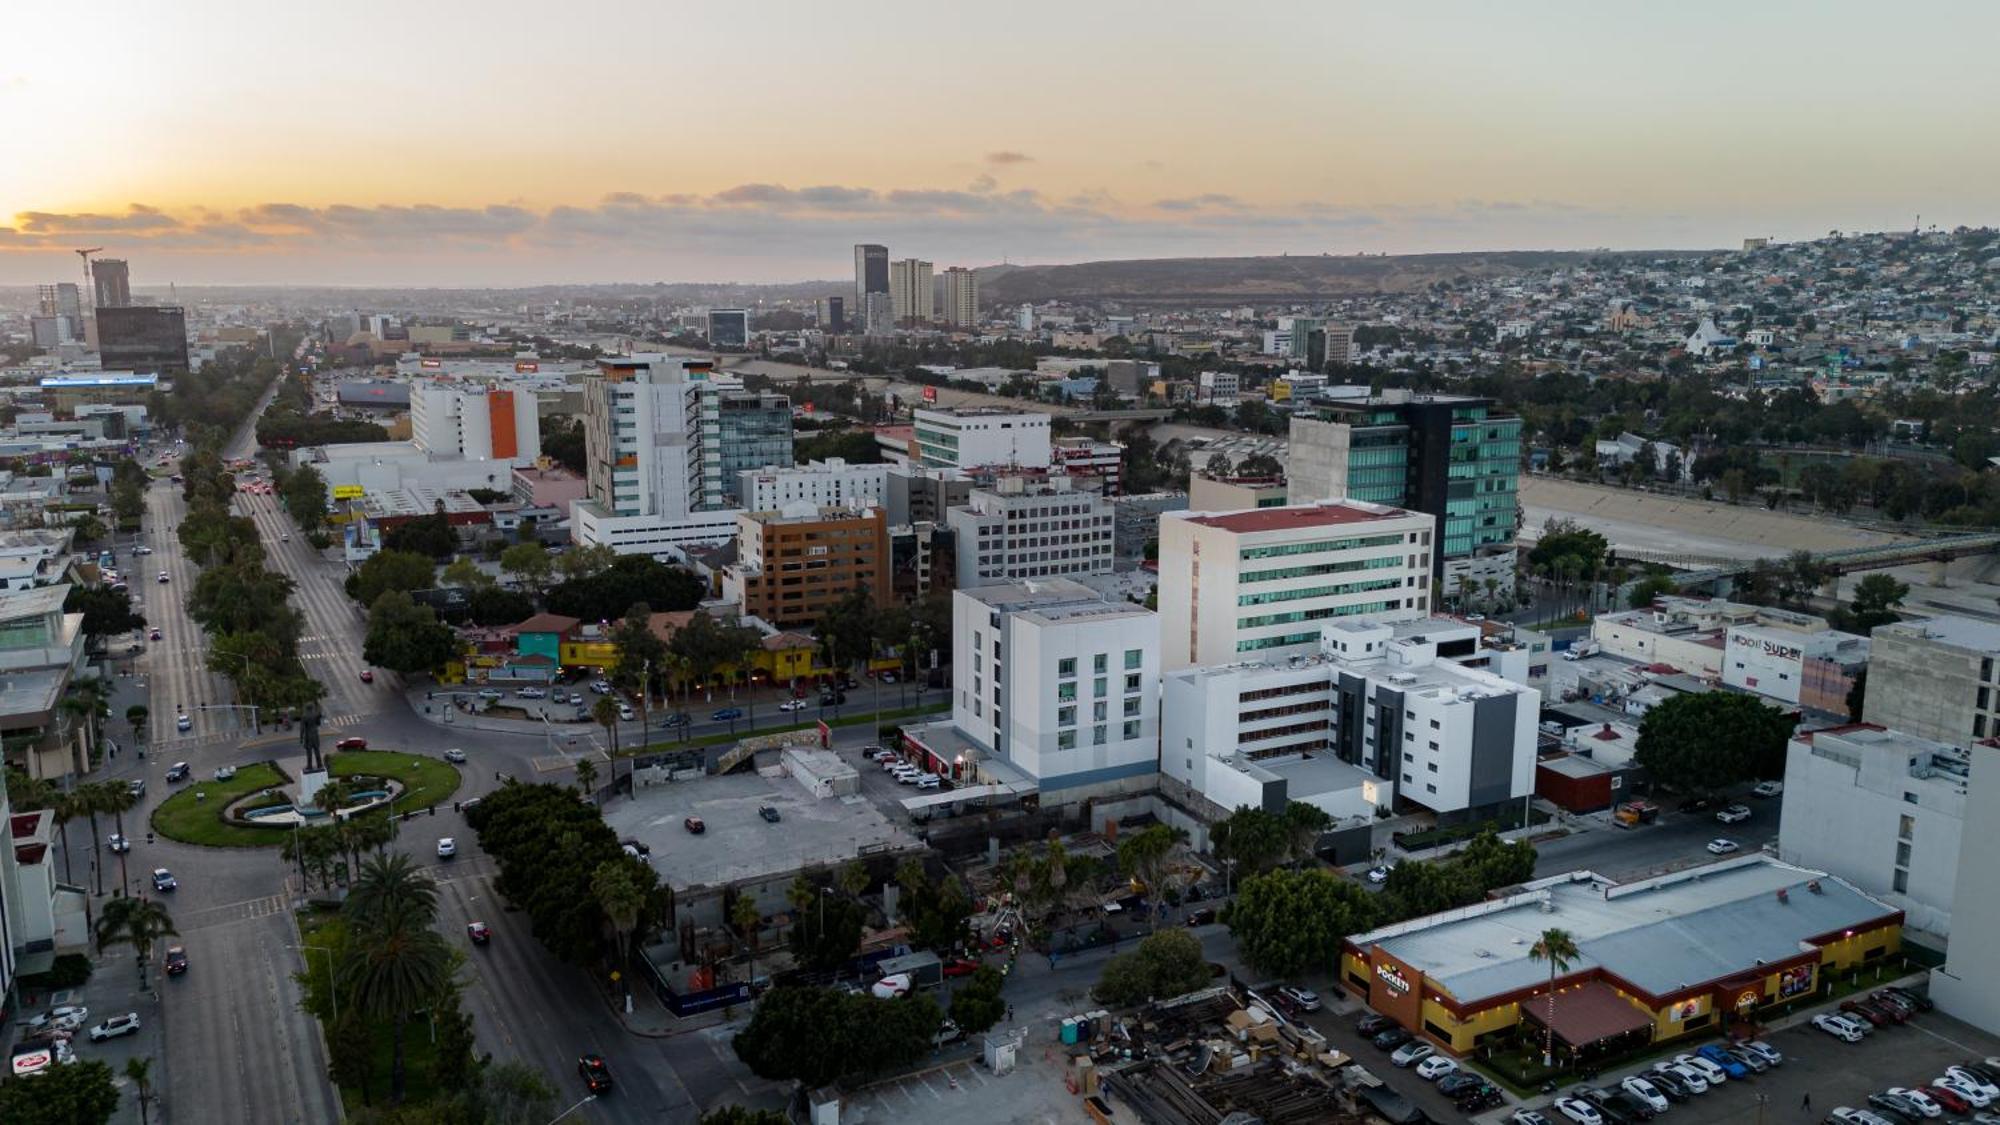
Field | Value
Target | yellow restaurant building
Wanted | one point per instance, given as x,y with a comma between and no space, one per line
1657,959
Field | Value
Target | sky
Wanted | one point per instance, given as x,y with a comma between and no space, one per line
503,143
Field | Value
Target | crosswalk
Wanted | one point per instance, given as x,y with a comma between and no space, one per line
228,913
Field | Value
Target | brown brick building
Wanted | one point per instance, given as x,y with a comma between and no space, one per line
792,565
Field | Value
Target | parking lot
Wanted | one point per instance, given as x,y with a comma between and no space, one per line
113,990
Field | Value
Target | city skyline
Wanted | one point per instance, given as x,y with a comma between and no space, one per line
316,151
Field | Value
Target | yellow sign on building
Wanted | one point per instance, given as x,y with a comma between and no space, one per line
348,492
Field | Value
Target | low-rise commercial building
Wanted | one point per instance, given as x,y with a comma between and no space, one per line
1882,809
1801,662
829,483
1658,959
969,438
1234,494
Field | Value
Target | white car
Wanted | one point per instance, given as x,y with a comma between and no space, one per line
1977,1082
792,705
224,773
892,763
1435,1067
1847,1115
1410,1054
447,847
532,693
1839,1028
1645,1092
1917,1098
163,578
1763,1051
1687,1076
1768,789
454,755
1721,846
890,987
1711,1073
1305,998
927,781
908,775
601,687
626,713
1579,1111
142,550
183,724
1734,814
1528,1117
1974,1096
67,1017
1379,874
127,1024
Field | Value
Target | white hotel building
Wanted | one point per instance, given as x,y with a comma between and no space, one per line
1259,584
832,483
652,429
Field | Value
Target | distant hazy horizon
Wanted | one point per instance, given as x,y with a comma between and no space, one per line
500,143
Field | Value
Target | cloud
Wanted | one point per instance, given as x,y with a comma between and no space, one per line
759,229
1007,156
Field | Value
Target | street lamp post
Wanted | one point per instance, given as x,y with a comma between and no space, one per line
332,989
587,1099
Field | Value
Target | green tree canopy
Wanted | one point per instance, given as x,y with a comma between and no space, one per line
549,845
105,612
406,637
1875,600
304,492
816,1035
79,1094
1168,963
430,535
1286,922
976,1005
391,570
628,580
1699,743
528,562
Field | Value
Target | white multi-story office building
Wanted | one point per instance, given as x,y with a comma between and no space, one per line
475,421
912,292
973,438
1219,386
1057,682
1938,678
1966,986
1881,809
649,423
1380,712
1260,583
961,297
1020,530
832,483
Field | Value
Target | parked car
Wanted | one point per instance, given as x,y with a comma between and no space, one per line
1733,814
455,755
177,960
1725,1058
596,1075
1305,998
1620,1106
1201,917
1373,1024
1896,1108
1379,874
1528,1117
64,1017
1753,1062
354,742
947,1032
1947,1097
1412,1053
1925,1104
1453,1083
491,694
224,773
1762,1050
1710,1072
960,967
694,825
1392,1038
1768,789
1967,1076
1645,1092
1863,1011
478,932
1690,1079
929,781
1722,846
1845,1030
1435,1067
532,693
1974,1096
1847,1115
1579,1111
164,881
1921,1000
1669,1083
447,847
601,687
127,1024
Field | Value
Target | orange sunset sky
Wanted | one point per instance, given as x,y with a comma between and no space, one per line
507,143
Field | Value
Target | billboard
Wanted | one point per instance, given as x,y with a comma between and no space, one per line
930,394
348,492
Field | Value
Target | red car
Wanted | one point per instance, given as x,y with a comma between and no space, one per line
961,967
1952,1102
478,932
355,743
368,675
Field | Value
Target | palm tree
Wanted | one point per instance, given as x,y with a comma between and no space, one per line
620,894
140,1071
391,972
391,893
67,807
748,920
116,798
586,776
137,921
606,713
98,797
137,715
1558,948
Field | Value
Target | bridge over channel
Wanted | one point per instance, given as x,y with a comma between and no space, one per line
1850,559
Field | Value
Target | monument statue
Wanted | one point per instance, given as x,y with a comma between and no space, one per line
309,736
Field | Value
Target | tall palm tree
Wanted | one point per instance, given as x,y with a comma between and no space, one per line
140,1071
606,713
97,797
137,921
620,894
137,715
1559,949
117,798
391,972
747,919
586,776
67,807
391,892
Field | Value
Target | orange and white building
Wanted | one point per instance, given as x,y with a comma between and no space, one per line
478,422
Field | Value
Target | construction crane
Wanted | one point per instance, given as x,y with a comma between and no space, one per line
89,286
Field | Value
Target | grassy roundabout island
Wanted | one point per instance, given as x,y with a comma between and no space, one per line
195,815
